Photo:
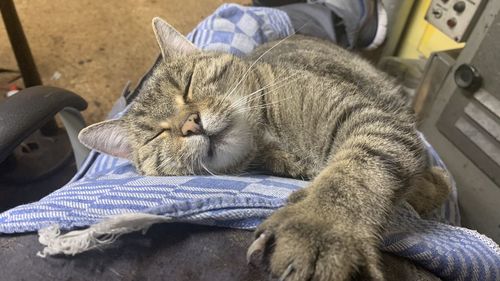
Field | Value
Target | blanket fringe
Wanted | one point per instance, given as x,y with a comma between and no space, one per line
102,233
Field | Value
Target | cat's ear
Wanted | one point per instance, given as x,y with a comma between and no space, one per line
171,41
108,137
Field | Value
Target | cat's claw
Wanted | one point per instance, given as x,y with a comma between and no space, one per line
292,245
257,248
287,272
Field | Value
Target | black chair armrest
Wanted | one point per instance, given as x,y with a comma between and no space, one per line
27,111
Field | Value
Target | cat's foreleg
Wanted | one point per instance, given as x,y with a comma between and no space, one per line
332,231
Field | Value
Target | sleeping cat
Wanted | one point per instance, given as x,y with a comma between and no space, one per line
300,107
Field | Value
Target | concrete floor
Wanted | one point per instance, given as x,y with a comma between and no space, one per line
97,46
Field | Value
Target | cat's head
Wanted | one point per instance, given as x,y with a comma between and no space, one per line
188,118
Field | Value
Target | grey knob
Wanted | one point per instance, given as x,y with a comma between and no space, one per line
459,6
467,77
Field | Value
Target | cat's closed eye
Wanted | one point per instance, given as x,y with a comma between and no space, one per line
154,137
164,127
188,92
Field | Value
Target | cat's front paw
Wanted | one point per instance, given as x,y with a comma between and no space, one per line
297,244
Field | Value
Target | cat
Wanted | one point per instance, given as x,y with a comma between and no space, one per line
299,107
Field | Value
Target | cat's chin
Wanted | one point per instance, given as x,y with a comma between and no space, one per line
228,150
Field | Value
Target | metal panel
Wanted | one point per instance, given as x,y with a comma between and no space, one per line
462,126
454,18
482,108
436,69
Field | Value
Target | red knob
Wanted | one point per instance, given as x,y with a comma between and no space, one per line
451,22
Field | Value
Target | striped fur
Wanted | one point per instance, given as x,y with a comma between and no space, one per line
302,108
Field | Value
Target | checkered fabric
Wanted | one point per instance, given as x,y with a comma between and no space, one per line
107,186
238,30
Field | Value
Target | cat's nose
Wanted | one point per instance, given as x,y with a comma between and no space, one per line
192,125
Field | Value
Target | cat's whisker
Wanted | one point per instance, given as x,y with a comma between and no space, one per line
257,93
206,169
258,59
241,105
261,106
232,89
266,93
192,167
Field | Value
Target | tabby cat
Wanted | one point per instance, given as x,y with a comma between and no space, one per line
300,107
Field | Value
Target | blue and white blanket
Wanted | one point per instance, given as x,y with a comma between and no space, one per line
107,186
